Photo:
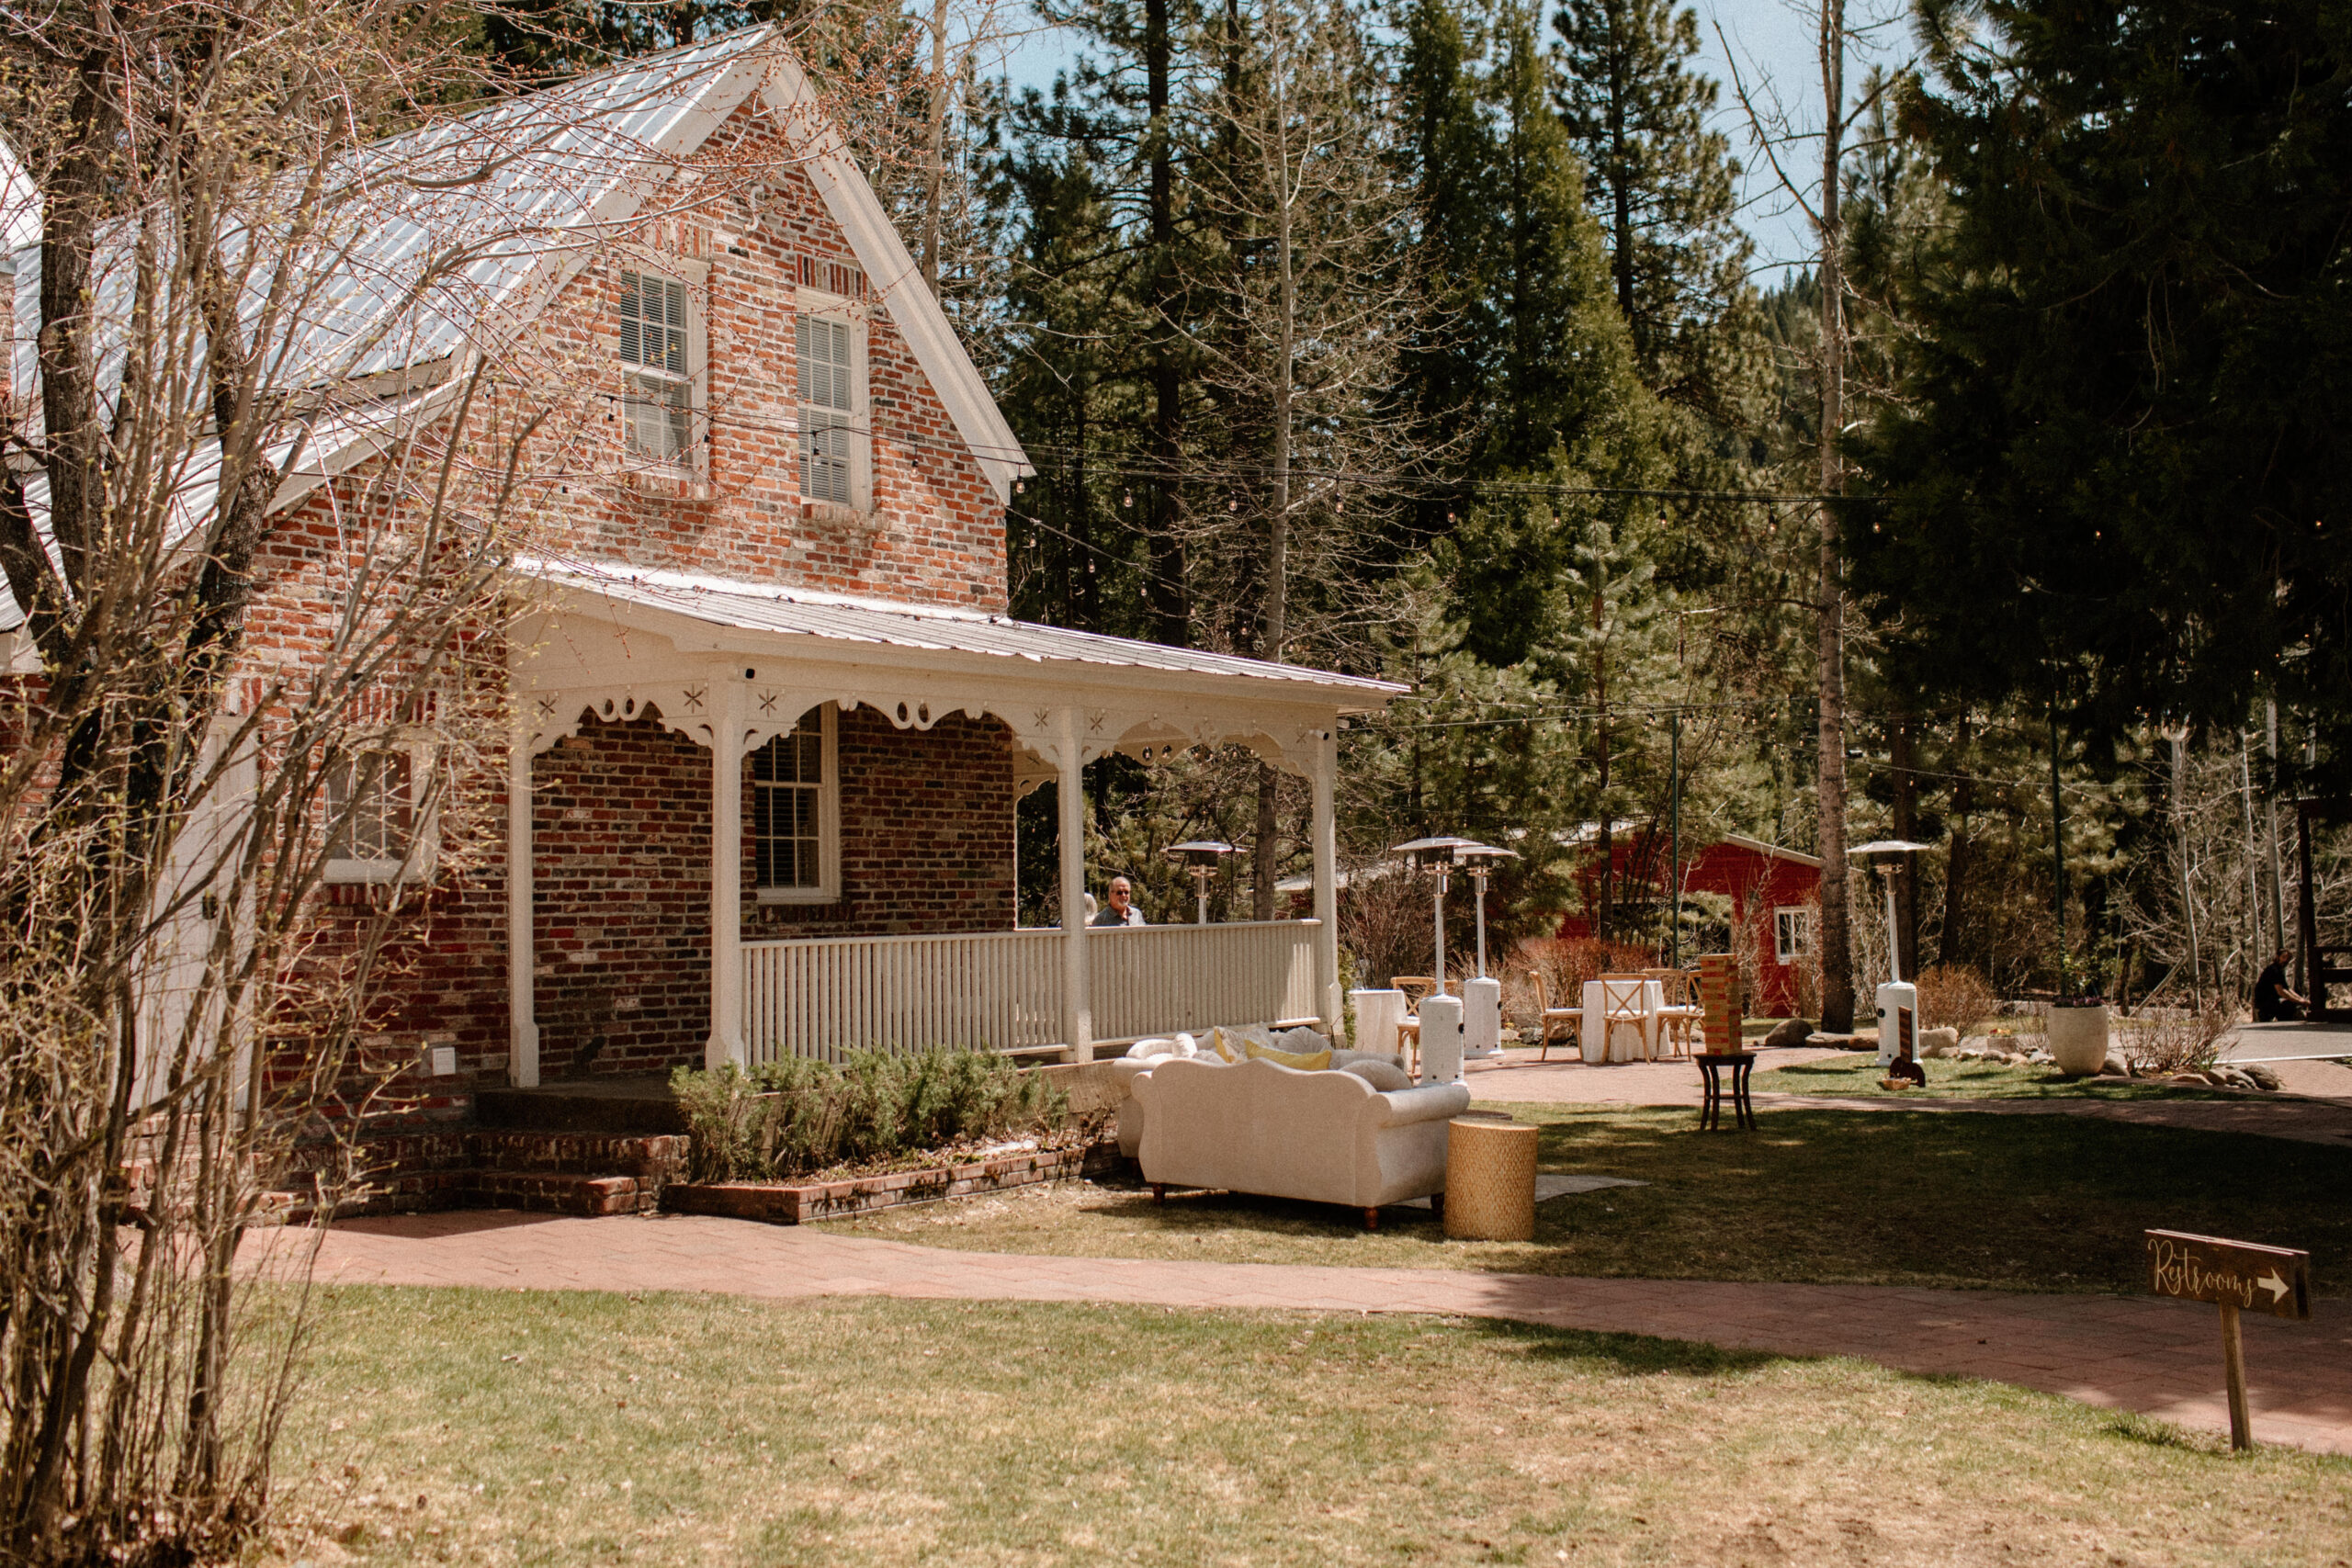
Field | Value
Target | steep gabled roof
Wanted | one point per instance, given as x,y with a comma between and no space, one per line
520,193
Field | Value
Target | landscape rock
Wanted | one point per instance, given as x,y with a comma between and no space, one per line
2190,1080
1940,1043
2234,1078
1788,1032
2115,1067
2263,1076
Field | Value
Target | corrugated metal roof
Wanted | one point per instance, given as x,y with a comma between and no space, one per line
758,607
438,228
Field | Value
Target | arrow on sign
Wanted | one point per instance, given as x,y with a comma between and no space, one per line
2275,1285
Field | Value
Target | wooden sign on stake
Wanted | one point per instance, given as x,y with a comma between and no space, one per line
2236,1276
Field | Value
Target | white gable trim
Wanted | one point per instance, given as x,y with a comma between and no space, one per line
890,267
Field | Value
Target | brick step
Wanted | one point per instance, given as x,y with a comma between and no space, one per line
661,1156
616,1108
558,1193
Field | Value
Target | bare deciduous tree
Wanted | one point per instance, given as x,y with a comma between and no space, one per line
282,426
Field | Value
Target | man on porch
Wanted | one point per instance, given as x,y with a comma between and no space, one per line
1120,910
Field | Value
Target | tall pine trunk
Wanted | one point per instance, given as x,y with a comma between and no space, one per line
1171,616
1837,951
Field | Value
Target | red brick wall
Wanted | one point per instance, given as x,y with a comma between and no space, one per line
620,823
936,531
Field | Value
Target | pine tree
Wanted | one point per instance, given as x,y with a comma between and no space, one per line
1663,187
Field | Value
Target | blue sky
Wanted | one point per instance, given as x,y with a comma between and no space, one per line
1772,41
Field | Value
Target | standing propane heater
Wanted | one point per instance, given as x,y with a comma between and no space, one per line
1199,856
1481,999
1441,1015
1898,999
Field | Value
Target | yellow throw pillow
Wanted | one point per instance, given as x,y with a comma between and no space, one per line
1305,1061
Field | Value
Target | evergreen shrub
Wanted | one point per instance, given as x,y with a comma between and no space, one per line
796,1117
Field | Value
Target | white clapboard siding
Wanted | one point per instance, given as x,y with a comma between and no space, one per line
1001,990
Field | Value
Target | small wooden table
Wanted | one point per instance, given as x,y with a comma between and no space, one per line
1713,1064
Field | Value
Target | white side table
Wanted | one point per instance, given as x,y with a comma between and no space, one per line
1378,1012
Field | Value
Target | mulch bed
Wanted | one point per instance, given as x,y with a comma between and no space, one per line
792,1204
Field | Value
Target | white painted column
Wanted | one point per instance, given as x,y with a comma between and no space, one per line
1078,1010
522,953
1324,775
726,1044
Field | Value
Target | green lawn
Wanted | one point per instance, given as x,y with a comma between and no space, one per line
561,1428
2018,1203
1857,1076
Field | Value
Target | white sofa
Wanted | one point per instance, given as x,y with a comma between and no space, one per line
1327,1137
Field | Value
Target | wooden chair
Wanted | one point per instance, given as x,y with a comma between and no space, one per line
1680,1015
1550,1019
1622,999
1417,988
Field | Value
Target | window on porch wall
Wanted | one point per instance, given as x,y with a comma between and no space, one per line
788,810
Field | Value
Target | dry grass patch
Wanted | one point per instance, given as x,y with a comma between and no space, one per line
1827,1197
503,1428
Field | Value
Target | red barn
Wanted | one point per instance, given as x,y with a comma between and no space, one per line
1774,895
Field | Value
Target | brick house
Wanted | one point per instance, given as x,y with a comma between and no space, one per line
773,716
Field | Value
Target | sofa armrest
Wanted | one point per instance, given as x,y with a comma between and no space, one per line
1428,1102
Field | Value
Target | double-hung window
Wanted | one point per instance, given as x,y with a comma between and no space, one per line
828,372
657,393
795,813
372,816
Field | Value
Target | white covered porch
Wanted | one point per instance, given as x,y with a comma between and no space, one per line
731,666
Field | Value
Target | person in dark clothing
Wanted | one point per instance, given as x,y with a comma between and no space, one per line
2273,1002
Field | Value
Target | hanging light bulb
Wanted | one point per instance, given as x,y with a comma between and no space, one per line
1128,499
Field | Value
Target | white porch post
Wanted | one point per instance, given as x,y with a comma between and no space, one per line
726,1044
1324,775
1077,1011
522,959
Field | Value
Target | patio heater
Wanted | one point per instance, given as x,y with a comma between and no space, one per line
1481,999
1441,1015
1199,856
1897,995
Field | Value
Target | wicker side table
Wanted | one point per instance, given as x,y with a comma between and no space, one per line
1489,1180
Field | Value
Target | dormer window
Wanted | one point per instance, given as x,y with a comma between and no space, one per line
659,359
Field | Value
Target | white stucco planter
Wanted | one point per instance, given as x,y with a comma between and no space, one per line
2078,1039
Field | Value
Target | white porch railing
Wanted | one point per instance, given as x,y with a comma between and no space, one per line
1157,979
829,996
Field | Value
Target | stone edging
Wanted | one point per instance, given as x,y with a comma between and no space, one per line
790,1205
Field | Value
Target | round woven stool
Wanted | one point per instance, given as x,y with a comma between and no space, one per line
1489,1180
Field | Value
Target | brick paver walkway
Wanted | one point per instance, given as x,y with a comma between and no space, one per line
2160,1357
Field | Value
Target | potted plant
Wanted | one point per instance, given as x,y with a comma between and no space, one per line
2077,1028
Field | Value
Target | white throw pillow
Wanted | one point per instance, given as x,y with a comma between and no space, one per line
1302,1041
1385,1076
